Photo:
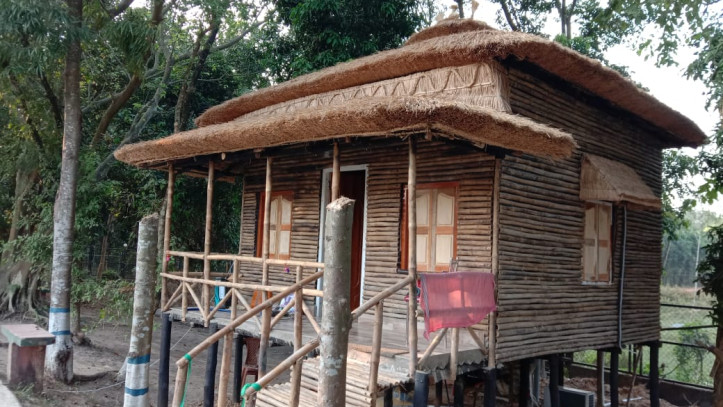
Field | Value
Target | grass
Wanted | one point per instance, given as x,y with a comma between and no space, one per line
678,363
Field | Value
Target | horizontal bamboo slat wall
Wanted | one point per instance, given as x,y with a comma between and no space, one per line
437,161
543,306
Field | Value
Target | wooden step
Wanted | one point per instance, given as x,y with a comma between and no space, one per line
357,380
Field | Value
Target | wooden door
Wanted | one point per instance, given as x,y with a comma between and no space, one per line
353,185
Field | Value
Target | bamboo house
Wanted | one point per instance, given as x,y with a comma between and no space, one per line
467,148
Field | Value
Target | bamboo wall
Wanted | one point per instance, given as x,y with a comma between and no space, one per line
438,161
543,306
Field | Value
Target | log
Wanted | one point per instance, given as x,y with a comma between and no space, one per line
336,318
206,294
139,352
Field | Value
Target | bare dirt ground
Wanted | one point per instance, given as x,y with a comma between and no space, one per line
108,349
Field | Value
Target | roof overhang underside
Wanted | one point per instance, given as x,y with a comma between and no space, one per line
607,180
373,117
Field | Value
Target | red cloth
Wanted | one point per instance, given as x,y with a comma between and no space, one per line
456,300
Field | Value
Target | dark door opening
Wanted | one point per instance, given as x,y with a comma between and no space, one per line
353,185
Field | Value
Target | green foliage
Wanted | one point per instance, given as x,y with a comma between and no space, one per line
710,271
690,367
113,298
326,32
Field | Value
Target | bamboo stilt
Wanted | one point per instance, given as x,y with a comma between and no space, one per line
454,354
412,261
167,232
296,372
221,400
180,384
266,315
206,294
376,351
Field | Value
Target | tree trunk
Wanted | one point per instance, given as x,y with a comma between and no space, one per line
139,352
59,357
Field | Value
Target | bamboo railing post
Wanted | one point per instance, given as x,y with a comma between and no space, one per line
180,388
336,318
266,315
184,299
298,313
492,327
335,174
376,351
412,250
206,293
227,348
167,232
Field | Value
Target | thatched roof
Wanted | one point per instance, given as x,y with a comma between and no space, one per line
365,117
607,180
462,42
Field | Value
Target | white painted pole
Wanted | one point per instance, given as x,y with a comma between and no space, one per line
139,352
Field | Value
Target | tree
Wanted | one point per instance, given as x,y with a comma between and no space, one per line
59,357
324,32
710,273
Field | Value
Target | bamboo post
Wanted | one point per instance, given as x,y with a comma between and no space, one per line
335,174
492,334
139,352
237,367
336,318
184,299
654,374
600,362
554,382
180,389
614,377
164,360
209,384
412,261
298,314
454,354
167,232
524,383
490,391
421,389
266,315
376,351
227,345
206,293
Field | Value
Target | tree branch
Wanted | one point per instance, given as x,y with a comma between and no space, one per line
53,99
508,16
119,9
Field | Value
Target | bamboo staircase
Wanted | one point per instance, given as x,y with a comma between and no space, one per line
358,393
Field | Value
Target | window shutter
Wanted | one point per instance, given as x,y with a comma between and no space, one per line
284,229
589,255
444,229
424,208
604,224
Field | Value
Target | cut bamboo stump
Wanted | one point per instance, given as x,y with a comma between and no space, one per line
336,318
139,352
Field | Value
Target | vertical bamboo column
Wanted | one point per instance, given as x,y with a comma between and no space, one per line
492,327
454,355
298,313
167,234
336,319
266,314
207,242
376,351
184,298
412,260
335,174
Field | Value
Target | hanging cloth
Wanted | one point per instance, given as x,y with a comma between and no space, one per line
456,300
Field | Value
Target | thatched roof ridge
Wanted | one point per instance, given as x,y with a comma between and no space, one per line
467,46
366,117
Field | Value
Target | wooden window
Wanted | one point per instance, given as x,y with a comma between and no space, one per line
280,225
596,256
436,226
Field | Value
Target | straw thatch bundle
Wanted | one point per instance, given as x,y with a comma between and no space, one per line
365,117
463,42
